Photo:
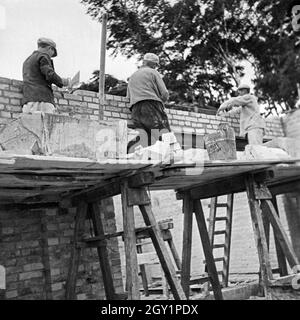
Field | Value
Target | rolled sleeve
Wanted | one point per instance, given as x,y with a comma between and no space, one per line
163,91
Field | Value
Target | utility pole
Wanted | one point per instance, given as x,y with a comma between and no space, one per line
102,65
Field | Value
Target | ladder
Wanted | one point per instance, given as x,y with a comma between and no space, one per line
226,221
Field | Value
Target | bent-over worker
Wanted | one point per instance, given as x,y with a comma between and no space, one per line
252,124
38,77
147,94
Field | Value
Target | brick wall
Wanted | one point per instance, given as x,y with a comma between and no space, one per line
21,231
85,104
35,248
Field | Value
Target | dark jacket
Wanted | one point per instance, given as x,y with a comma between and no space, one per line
38,76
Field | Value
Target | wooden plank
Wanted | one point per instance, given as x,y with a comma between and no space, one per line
266,224
147,258
143,269
283,271
218,188
75,251
285,187
211,219
261,192
286,281
132,280
141,179
227,248
207,249
174,252
96,193
137,197
162,253
260,237
141,233
102,252
187,243
280,233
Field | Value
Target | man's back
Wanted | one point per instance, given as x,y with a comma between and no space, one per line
37,86
146,84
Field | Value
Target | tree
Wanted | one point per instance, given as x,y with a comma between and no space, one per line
112,85
199,56
274,56
202,44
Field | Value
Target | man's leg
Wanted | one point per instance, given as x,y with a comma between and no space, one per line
255,136
47,107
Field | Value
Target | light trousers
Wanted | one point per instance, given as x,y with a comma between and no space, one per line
255,136
38,107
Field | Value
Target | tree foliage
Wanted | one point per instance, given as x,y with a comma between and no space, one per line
202,45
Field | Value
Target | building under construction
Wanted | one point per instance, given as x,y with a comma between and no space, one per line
79,222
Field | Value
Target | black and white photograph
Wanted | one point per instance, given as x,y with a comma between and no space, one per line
149,153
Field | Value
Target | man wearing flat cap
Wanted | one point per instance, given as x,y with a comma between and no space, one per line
147,94
252,124
38,77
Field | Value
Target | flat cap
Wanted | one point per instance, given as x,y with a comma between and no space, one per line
48,42
151,57
243,86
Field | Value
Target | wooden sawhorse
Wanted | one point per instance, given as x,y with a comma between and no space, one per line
133,193
263,213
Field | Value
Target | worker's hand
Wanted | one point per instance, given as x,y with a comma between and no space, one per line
66,82
223,109
297,106
220,112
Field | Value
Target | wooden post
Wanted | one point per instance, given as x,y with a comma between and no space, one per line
161,250
207,249
280,254
102,65
260,237
132,279
174,253
102,252
143,269
187,243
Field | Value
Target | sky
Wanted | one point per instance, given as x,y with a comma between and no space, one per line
76,34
